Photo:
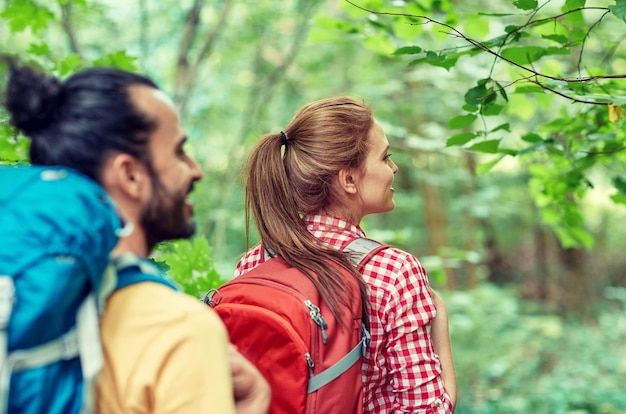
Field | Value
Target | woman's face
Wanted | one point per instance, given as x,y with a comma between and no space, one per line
375,182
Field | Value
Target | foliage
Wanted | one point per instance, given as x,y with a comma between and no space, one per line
451,88
241,71
511,358
30,24
189,264
545,88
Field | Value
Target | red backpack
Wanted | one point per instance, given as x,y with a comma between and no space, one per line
277,319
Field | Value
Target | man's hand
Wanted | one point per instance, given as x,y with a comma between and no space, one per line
252,393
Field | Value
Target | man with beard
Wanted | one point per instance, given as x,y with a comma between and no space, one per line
164,352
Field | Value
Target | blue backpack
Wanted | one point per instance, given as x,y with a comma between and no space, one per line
57,230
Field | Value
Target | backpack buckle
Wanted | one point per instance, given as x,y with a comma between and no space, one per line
208,298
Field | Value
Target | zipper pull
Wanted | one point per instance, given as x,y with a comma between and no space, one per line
317,317
310,363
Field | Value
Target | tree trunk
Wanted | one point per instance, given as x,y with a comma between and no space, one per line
435,214
187,68
470,222
573,282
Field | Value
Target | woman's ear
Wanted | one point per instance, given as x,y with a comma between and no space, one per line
347,179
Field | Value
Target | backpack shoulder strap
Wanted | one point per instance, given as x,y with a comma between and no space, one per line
82,340
128,269
7,298
133,269
329,374
362,250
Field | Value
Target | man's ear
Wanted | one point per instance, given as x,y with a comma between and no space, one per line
127,175
347,179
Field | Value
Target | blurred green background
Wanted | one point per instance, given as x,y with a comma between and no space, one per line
504,116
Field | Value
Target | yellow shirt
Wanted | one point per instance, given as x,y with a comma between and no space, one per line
164,352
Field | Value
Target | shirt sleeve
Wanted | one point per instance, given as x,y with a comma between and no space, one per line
413,365
195,377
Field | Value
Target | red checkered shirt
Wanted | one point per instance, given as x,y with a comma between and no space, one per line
401,372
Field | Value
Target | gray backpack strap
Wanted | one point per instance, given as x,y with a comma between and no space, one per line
7,298
267,255
318,381
89,350
81,341
361,250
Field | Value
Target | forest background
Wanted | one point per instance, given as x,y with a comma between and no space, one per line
504,116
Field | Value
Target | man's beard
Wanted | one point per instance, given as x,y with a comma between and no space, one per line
164,216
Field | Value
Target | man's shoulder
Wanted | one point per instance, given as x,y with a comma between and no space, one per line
155,303
132,269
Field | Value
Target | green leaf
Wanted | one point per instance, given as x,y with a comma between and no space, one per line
576,19
581,235
619,101
555,83
12,149
561,39
532,137
489,146
502,127
460,139
476,95
600,137
619,182
189,264
70,64
408,50
613,146
508,151
619,9
41,49
485,167
462,121
573,4
529,88
440,60
24,13
619,198
119,59
526,4
380,26
524,55
492,108
502,91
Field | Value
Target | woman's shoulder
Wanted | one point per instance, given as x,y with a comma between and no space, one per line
251,259
393,268
395,256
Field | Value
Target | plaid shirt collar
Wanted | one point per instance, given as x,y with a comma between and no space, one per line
317,223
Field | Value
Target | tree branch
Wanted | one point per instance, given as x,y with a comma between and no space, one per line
192,22
68,28
533,73
187,71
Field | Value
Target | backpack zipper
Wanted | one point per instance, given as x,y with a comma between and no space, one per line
310,363
314,312
317,317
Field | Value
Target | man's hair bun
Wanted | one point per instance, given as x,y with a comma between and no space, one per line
33,99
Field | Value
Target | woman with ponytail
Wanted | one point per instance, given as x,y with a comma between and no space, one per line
308,187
